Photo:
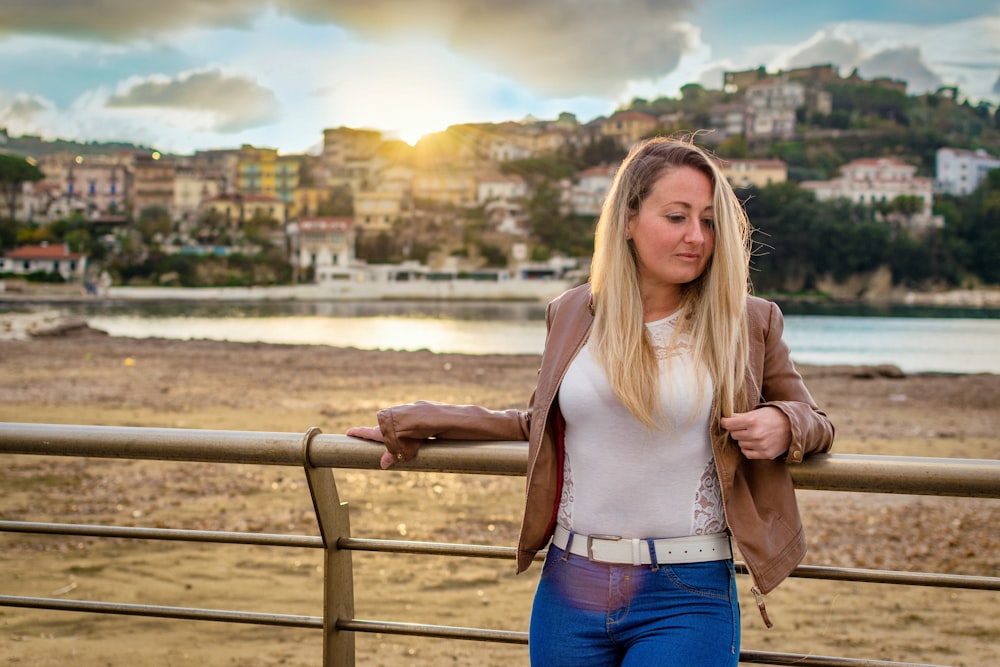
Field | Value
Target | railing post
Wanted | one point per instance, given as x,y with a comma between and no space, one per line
338,573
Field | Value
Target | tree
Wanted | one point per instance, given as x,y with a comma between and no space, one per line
15,171
153,222
340,202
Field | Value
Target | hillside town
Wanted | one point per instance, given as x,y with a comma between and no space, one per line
330,212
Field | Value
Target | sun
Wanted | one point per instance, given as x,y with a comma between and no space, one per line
407,93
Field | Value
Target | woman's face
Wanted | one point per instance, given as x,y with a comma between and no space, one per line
673,232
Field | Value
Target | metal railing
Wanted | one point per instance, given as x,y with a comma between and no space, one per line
318,454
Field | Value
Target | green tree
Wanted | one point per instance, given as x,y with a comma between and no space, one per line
339,202
153,222
15,171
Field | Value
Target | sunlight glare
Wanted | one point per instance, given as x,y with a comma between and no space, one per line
407,91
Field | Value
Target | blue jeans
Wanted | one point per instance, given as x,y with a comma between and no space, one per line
597,614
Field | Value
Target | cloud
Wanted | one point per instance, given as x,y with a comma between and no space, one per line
235,103
121,20
557,47
904,63
24,108
925,56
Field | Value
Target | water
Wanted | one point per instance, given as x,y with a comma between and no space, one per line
914,340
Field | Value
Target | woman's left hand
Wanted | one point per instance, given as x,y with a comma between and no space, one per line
764,433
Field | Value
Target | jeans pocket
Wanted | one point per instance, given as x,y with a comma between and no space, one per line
710,579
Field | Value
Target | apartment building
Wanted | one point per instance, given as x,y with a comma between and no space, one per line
191,188
152,183
771,106
91,186
959,172
879,180
758,173
458,187
628,127
239,208
261,171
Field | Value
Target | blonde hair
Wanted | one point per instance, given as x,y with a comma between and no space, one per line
714,303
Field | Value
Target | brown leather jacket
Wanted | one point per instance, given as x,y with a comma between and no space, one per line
758,496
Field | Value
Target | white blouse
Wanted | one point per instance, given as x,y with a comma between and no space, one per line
620,477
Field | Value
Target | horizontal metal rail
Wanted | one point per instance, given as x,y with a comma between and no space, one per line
970,478
159,611
463,550
387,627
837,472
179,535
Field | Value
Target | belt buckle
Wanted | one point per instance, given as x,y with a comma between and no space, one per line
590,544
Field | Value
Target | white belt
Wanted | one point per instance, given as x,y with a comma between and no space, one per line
635,551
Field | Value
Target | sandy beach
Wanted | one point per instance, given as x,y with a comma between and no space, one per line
64,373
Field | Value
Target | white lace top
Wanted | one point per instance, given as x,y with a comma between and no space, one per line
621,478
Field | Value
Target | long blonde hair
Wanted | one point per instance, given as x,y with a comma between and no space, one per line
714,303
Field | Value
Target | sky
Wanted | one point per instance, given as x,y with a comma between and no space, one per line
187,75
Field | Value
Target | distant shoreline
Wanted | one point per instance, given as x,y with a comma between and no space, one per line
50,294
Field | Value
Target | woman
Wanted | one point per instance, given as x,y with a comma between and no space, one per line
666,411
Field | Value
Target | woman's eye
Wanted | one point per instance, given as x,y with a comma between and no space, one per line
708,222
676,217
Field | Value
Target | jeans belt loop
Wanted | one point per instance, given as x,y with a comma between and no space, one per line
654,566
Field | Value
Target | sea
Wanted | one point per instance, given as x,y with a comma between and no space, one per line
914,339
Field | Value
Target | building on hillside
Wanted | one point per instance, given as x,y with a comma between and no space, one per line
307,201
343,149
507,149
727,120
219,165
321,242
758,173
590,188
874,181
238,209
446,186
92,185
959,172
190,190
377,210
45,258
628,127
494,186
153,178
771,106
45,200
261,171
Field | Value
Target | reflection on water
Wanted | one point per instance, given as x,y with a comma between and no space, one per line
457,310
913,339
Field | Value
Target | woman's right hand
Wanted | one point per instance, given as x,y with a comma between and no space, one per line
373,433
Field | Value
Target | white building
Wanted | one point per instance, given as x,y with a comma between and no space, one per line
587,195
322,242
504,187
873,181
45,258
771,106
959,172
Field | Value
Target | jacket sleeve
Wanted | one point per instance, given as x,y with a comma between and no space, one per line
406,427
782,387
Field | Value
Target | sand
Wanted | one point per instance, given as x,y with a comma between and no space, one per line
78,376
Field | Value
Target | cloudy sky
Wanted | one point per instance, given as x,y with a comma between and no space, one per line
184,75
